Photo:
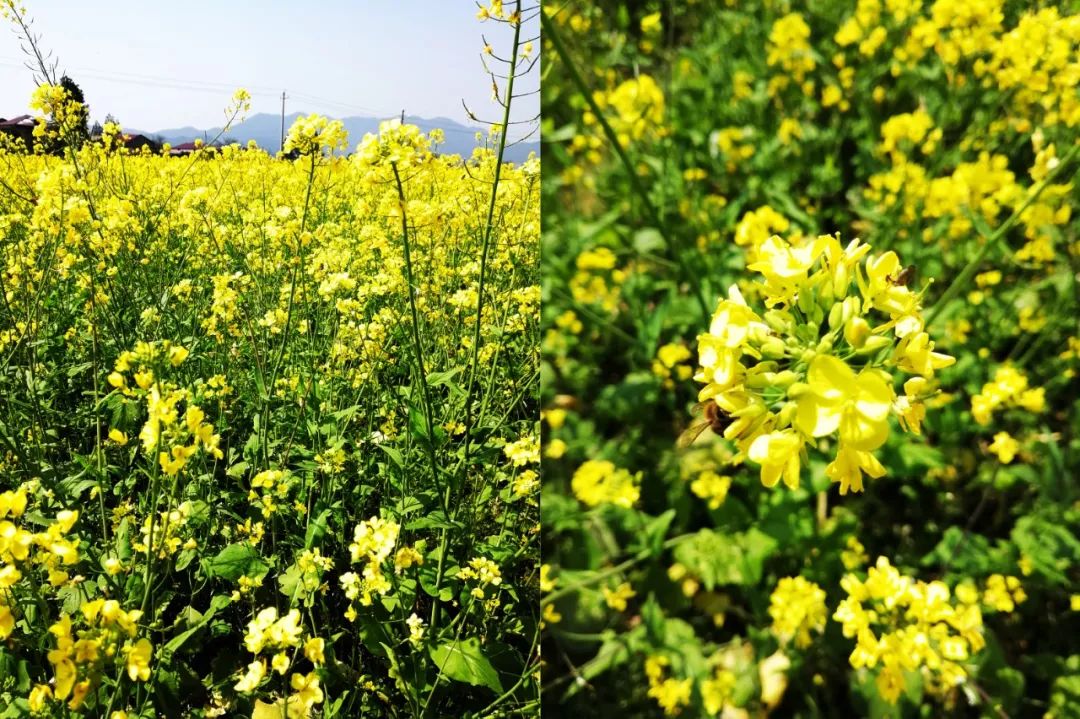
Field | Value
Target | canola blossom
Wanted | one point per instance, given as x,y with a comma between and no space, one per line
903,625
819,359
258,382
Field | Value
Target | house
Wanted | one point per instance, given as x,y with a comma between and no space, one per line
138,142
21,127
186,148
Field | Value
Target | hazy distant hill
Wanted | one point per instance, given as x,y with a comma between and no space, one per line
265,129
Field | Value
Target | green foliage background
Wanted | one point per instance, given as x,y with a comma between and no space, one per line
947,508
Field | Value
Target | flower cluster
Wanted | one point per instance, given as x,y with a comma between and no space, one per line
82,657
51,549
672,364
221,319
315,134
65,114
672,694
524,451
818,361
484,572
270,487
401,145
279,635
373,542
599,481
633,109
711,487
789,49
597,280
164,436
797,607
312,565
901,625
1003,593
22,550
1008,389
166,532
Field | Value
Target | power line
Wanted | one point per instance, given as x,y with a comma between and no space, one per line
116,74
217,88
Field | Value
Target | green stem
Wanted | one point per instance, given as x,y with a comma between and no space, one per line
972,266
477,336
297,271
635,181
418,350
155,490
611,571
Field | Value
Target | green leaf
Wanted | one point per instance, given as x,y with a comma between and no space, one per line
395,673
290,583
418,424
173,645
346,413
614,652
440,379
726,558
123,540
1065,692
372,632
434,520
316,530
1050,546
260,385
235,561
651,536
427,575
465,661
394,454
963,552
648,241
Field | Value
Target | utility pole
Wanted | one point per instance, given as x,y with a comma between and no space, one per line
402,116
283,121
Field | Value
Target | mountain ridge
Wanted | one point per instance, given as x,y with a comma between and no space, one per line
265,129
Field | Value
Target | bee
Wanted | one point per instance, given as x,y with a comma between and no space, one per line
904,277
711,416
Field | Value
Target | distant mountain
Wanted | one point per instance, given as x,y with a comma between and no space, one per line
265,130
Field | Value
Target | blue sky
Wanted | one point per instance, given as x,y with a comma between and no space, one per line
156,65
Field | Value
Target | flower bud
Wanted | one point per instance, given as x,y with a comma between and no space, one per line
785,378
836,316
787,413
759,380
772,348
779,321
857,332
875,343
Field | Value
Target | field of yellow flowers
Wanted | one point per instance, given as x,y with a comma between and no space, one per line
809,357
269,427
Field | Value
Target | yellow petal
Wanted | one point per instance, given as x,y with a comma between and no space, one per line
861,433
830,378
874,397
817,418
